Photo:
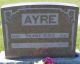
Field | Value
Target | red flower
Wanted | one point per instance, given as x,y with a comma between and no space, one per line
49,60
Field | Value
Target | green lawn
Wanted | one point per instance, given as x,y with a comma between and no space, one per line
78,38
1,39
3,2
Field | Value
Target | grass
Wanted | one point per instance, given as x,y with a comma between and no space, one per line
78,38
4,2
1,39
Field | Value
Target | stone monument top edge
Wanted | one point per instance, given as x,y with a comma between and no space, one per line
39,3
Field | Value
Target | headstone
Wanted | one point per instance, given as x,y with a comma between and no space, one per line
64,60
39,29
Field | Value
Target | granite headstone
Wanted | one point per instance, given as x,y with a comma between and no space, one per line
39,29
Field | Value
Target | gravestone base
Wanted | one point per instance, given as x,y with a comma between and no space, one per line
75,60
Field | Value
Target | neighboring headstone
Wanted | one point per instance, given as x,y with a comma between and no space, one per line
39,29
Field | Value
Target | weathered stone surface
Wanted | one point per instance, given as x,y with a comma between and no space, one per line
39,30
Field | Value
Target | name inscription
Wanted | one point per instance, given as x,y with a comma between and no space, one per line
40,19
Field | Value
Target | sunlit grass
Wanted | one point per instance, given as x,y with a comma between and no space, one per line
78,38
1,39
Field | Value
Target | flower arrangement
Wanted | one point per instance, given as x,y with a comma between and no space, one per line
46,60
